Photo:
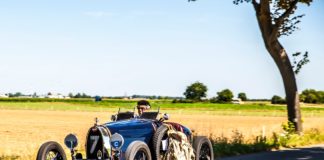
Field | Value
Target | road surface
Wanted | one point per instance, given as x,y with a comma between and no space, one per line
305,153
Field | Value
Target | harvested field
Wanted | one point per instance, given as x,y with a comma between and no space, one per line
23,131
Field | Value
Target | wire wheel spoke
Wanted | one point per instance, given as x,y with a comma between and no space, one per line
140,155
204,152
53,155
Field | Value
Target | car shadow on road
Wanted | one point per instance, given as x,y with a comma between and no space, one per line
309,153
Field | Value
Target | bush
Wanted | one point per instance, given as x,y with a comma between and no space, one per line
213,100
237,144
277,100
289,138
182,101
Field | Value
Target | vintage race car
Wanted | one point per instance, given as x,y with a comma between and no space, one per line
129,137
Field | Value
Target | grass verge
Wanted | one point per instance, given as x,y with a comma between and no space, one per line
238,145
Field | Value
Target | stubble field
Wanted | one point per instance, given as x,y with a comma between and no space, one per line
22,131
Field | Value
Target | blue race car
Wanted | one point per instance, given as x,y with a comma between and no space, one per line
128,137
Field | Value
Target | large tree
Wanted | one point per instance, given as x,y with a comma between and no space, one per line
196,91
277,18
225,96
242,96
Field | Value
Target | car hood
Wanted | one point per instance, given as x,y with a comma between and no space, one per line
133,129
127,125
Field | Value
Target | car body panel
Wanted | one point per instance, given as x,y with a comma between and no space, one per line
133,129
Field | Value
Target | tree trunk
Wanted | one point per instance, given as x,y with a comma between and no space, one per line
282,61
288,76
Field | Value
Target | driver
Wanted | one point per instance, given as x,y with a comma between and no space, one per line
142,105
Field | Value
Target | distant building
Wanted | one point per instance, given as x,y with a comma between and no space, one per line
57,95
4,95
237,101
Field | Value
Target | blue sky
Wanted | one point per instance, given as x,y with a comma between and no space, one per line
113,47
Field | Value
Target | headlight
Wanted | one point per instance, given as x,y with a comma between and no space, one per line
71,141
117,141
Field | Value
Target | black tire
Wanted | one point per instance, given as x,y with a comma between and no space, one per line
203,148
51,151
138,150
159,135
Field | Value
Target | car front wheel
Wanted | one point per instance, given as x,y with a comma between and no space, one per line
51,151
138,150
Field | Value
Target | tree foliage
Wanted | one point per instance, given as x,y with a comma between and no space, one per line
79,95
312,96
277,100
17,94
224,96
283,22
242,96
196,91
298,64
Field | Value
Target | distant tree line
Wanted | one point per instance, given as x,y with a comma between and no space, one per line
135,96
79,95
197,92
154,97
17,94
35,95
312,96
278,100
307,96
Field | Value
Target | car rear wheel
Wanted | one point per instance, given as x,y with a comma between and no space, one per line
159,136
51,151
138,150
203,148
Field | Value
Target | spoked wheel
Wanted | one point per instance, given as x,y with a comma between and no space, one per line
138,150
205,152
140,155
51,151
53,155
203,148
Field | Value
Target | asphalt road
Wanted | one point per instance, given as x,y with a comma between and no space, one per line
306,153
